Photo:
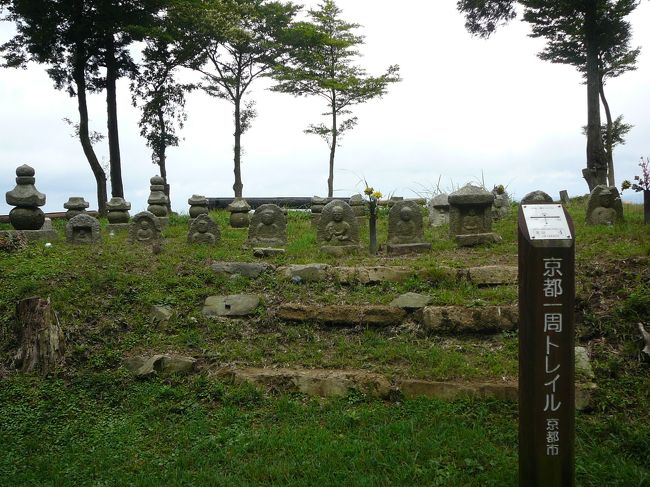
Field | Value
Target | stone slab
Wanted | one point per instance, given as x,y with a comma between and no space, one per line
307,273
371,275
340,250
472,240
33,235
411,301
267,252
412,248
246,269
461,319
493,275
231,305
347,315
160,364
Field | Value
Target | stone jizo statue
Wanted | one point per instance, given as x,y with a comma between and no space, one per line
204,231
338,229
604,206
268,227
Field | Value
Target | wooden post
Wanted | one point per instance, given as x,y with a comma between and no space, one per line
546,346
42,343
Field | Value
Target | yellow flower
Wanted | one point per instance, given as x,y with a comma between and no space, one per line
368,190
376,195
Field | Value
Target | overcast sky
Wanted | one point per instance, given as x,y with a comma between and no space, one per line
466,109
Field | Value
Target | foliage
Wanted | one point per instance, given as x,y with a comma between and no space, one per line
643,183
321,64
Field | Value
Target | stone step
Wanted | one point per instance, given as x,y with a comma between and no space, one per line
342,314
493,275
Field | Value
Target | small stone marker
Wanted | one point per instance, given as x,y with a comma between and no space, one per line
239,217
158,201
118,214
405,232
317,205
144,228
536,197
358,205
604,206
26,198
470,216
564,197
501,205
338,229
198,206
439,210
82,229
76,205
268,228
546,346
204,231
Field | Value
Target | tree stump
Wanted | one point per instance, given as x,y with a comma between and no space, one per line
42,344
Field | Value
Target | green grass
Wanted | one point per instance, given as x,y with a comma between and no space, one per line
92,424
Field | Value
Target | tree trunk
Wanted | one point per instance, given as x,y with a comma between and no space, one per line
238,186
609,144
84,138
42,344
330,179
117,189
162,157
596,171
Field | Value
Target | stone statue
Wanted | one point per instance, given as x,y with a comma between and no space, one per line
405,229
158,201
82,229
26,198
439,210
470,216
239,210
604,206
76,205
198,205
268,227
118,214
204,231
338,229
144,228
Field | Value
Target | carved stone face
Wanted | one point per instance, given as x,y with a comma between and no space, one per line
267,217
202,226
406,214
337,214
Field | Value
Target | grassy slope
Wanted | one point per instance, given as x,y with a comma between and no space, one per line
93,425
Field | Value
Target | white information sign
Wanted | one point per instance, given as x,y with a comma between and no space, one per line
546,222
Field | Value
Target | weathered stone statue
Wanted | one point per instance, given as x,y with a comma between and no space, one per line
26,198
158,201
144,228
358,205
268,227
439,210
470,216
317,205
405,229
239,210
198,205
604,206
338,229
536,197
82,229
204,231
118,214
76,205
501,205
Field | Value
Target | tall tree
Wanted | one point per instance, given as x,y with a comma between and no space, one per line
161,99
236,42
577,32
322,64
58,33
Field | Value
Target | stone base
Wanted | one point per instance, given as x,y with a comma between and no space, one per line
117,227
46,232
471,240
340,250
412,248
267,251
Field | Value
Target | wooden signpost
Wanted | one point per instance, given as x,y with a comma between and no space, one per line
546,346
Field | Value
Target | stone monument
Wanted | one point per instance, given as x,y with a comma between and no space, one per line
145,228
439,210
268,230
158,201
405,229
239,210
338,229
317,205
604,206
501,205
75,205
358,205
203,230
82,229
470,216
118,214
535,197
198,206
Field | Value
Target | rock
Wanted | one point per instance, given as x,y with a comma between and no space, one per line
245,269
233,305
536,197
583,365
493,275
604,206
321,383
348,315
411,301
371,275
479,319
161,364
267,252
307,273
161,314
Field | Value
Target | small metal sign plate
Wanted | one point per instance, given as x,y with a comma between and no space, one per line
546,222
